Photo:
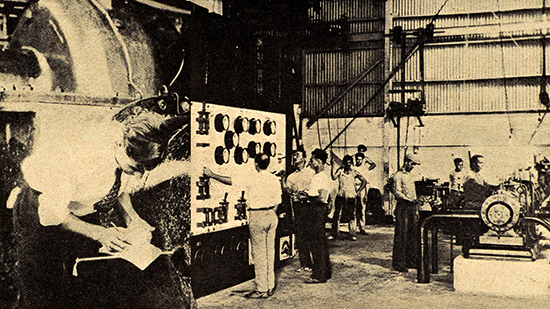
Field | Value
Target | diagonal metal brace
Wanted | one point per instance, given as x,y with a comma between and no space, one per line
378,91
343,93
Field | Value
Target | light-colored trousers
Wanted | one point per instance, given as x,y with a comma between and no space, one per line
263,225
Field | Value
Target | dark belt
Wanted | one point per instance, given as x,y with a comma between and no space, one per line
263,208
405,202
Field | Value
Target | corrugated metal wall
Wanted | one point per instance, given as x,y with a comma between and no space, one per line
328,72
430,7
486,56
355,10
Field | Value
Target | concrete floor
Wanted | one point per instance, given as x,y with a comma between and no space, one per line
363,278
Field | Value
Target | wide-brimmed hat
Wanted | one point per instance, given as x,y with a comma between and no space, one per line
413,158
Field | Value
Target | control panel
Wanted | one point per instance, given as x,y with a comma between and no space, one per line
226,140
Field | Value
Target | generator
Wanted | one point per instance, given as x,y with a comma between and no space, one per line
507,224
70,65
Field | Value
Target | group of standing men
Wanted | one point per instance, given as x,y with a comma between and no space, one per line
345,186
468,190
311,189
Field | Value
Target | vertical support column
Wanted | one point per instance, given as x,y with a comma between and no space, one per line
435,251
423,274
403,96
387,126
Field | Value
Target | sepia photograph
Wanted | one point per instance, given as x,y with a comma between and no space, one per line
205,154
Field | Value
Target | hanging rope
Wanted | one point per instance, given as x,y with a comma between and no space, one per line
319,135
346,140
407,136
337,130
329,131
537,128
543,95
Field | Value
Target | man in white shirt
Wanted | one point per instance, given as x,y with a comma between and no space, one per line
297,184
456,183
458,175
262,221
318,193
405,244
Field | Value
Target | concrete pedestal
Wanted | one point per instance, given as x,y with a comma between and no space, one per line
502,277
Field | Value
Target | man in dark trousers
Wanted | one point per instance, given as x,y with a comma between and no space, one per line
318,195
405,244
296,185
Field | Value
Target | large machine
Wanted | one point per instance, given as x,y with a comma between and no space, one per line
508,224
71,65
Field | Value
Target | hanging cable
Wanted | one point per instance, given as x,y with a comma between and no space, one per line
346,140
329,131
376,93
504,80
438,12
180,69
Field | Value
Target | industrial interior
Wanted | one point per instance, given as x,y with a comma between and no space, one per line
433,82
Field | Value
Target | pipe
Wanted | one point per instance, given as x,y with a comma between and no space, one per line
164,7
540,221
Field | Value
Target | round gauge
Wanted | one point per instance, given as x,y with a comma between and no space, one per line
221,122
241,124
221,155
269,127
255,126
231,139
241,155
500,212
254,148
219,251
270,149
242,251
199,255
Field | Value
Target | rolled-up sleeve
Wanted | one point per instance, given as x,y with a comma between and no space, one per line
56,184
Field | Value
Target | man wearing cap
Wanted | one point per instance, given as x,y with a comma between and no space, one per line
405,244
